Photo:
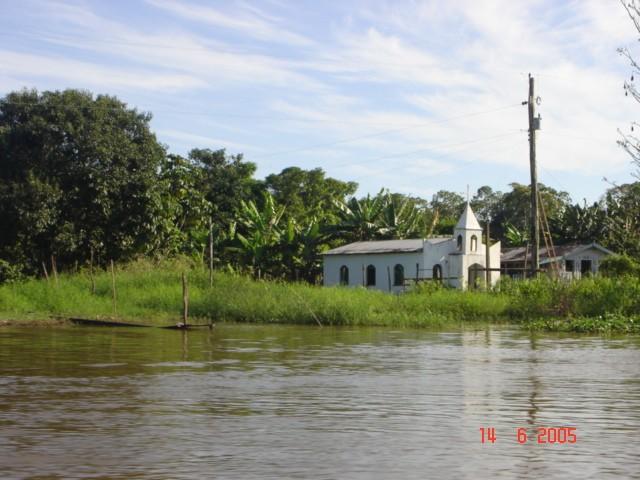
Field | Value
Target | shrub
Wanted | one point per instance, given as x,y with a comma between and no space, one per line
619,265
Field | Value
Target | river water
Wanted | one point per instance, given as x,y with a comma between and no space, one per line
258,402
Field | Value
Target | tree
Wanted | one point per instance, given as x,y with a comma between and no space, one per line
447,208
631,142
361,220
308,194
586,223
514,209
76,173
486,203
402,217
226,181
623,219
186,211
259,233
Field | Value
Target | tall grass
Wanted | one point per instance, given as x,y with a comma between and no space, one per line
150,292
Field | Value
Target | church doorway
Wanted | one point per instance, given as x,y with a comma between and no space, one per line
476,274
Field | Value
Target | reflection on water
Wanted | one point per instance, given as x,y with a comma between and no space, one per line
296,402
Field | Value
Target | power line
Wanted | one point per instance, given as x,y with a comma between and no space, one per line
433,147
310,147
262,117
386,132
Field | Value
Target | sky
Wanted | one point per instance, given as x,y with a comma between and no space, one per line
413,96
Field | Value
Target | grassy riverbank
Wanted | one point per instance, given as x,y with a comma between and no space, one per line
151,293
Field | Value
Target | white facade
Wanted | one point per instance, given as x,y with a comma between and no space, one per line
585,260
389,264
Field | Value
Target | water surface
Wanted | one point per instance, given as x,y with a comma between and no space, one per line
256,402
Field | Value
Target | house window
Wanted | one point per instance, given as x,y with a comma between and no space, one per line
460,242
398,275
437,272
569,266
344,275
474,243
585,266
371,276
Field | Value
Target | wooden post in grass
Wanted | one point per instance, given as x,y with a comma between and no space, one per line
93,280
113,289
44,269
54,270
185,299
210,253
389,276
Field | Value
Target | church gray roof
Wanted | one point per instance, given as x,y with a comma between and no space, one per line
384,246
468,220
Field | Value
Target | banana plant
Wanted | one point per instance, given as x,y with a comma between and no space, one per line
259,232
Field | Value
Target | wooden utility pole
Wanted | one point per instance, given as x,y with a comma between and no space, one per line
534,124
487,260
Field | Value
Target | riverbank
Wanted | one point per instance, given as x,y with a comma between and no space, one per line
152,293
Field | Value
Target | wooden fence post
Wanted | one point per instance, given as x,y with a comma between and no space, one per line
210,253
185,299
54,269
44,269
93,280
113,290
389,276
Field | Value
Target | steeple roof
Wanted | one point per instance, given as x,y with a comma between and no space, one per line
468,220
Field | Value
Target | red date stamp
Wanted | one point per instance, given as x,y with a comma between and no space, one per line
542,435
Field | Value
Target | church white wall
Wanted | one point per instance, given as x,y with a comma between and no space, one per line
356,263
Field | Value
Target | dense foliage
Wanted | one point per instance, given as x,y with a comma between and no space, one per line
83,176
152,291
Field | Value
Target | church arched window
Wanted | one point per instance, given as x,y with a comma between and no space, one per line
371,276
460,242
398,275
474,243
344,275
437,272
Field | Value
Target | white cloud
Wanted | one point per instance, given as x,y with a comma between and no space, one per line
85,74
251,21
203,141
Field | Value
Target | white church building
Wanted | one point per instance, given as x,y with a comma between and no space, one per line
391,264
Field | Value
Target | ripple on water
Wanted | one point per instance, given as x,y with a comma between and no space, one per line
292,402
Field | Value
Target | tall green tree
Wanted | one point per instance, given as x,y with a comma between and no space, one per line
446,207
77,172
186,211
226,181
308,194
623,219
515,209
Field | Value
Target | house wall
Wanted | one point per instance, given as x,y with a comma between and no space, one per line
593,254
355,264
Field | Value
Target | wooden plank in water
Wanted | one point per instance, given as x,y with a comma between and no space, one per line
104,323
182,326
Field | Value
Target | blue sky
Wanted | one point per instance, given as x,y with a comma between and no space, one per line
413,96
